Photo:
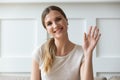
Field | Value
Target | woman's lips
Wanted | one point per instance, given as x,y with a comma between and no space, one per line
58,30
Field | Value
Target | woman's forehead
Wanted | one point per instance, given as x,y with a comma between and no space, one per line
52,14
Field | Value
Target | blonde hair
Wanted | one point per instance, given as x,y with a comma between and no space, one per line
49,54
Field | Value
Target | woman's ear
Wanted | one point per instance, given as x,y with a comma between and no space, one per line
67,22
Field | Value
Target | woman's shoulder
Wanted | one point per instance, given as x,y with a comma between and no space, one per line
38,48
78,52
38,53
78,46
78,49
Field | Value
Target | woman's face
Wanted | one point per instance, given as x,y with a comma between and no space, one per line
56,24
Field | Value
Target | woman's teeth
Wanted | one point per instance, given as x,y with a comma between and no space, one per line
58,30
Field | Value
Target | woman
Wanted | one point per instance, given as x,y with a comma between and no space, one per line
59,58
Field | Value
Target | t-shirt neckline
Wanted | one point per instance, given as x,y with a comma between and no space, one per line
68,53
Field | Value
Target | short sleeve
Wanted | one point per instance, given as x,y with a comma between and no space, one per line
83,58
37,55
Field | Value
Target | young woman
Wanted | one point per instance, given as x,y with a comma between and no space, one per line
59,58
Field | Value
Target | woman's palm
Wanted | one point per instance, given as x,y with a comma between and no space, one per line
91,39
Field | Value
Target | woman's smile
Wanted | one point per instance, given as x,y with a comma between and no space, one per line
58,30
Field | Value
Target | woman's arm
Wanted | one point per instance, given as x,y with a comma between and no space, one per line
89,43
87,68
35,74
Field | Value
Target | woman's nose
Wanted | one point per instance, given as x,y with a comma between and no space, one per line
54,25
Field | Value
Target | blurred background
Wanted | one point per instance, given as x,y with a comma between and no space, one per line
21,31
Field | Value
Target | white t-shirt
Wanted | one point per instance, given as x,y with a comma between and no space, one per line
64,67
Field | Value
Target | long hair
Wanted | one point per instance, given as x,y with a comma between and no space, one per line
50,47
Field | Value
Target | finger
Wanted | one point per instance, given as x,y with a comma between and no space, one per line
98,37
85,36
96,33
89,32
93,31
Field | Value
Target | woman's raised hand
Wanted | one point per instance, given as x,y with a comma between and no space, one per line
90,40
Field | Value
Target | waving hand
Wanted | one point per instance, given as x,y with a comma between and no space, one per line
91,39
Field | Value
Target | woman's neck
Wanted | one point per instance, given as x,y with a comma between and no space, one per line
64,46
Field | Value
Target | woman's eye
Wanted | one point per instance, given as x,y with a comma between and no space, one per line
58,19
49,23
